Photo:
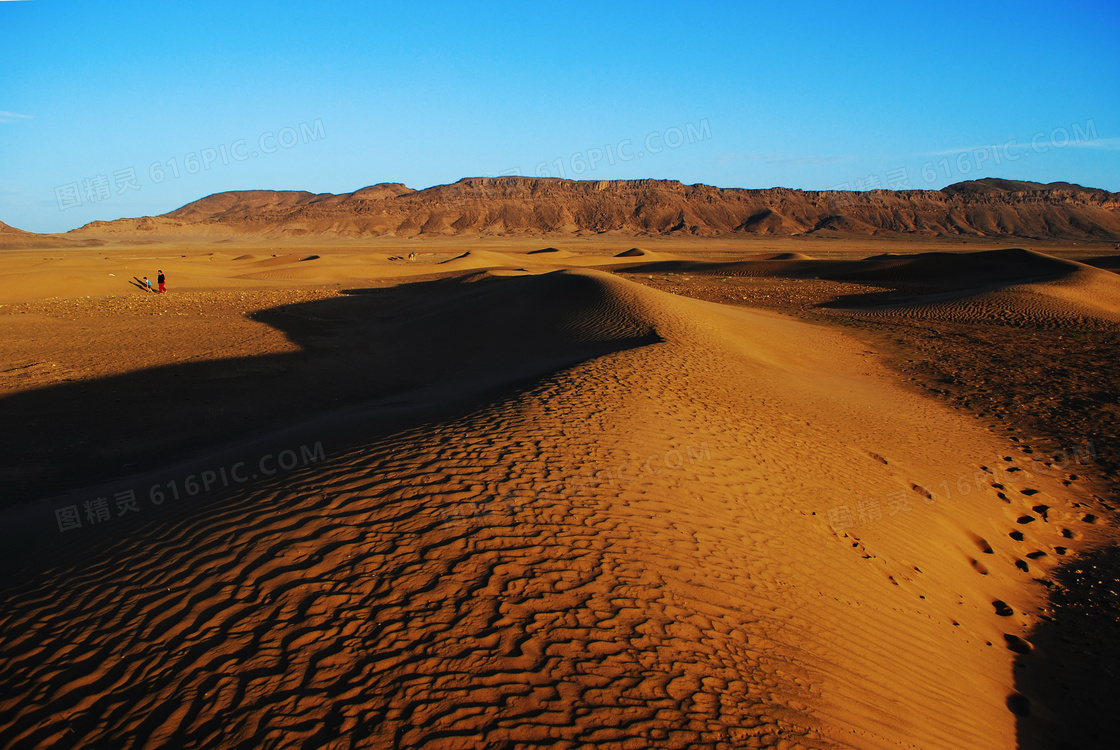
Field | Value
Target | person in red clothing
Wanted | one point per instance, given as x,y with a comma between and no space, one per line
160,280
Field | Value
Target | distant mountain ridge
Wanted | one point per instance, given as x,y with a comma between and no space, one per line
529,206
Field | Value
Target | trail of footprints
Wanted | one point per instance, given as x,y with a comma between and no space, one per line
1040,532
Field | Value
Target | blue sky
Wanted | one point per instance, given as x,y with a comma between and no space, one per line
128,109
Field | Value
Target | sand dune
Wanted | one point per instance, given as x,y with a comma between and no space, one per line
1082,300
1014,287
694,525
644,257
957,269
476,259
281,260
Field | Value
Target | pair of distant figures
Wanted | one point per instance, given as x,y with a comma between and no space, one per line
161,280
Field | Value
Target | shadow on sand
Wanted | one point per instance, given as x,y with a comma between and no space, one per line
896,279
369,362
1066,671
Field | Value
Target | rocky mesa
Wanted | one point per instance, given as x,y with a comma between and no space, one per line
496,206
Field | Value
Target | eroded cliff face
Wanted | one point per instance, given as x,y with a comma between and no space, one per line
549,206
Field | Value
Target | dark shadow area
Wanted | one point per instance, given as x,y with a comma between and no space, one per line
1067,670
369,362
941,277
903,295
1108,262
768,267
137,282
952,270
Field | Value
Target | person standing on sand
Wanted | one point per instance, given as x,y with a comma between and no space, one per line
160,280
147,284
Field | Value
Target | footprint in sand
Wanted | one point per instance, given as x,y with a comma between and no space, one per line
982,544
1002,608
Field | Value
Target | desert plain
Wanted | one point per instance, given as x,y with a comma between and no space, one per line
559,491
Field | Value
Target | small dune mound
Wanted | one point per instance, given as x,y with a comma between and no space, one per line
292,273
477,259
550,254
788,265
309,257
277,260
246,256
955,270
638,257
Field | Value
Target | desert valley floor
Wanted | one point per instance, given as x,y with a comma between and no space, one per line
598,492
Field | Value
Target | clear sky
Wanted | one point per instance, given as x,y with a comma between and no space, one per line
111,109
